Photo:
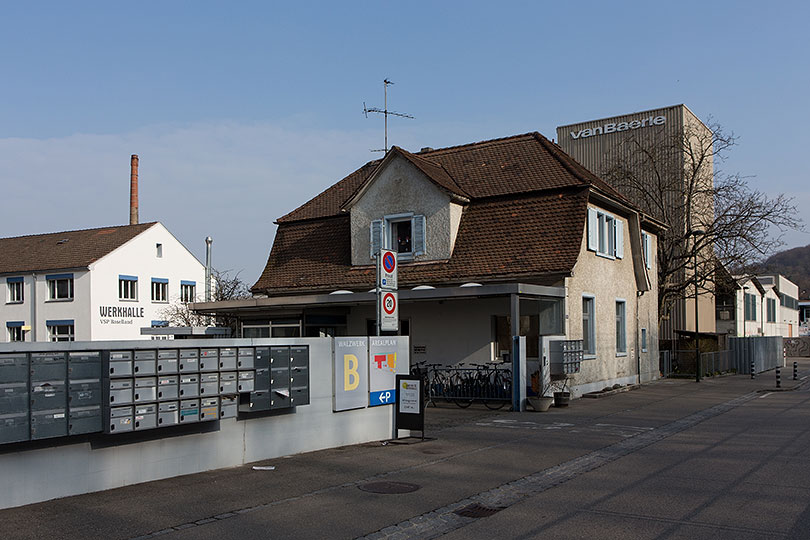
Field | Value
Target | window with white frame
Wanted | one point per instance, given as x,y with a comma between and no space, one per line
771,310
589,325
621,327
750,307
127,287
15,330
403,233
60,286
160,290
15,290
159,251
61,330
605,234
188,291
646,248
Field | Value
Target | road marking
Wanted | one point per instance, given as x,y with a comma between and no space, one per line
765,395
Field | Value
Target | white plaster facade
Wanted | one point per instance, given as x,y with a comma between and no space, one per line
95,310
783,319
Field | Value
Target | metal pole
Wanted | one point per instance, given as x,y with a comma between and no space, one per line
385,85
697,328
208,242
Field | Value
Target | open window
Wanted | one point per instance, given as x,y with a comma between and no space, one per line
403,233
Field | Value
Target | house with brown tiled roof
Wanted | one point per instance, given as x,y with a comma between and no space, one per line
93,284
500,238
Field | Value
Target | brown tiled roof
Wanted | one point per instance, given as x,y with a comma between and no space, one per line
513,165
63,250
498,239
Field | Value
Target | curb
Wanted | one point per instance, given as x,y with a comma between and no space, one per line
597,395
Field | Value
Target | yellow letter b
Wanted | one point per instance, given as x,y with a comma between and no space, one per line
351,379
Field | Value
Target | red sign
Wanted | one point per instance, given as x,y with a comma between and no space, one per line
389,262
389,303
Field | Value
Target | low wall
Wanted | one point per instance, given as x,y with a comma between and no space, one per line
798,346
33,472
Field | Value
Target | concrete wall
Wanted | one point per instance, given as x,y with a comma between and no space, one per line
402,188
609,280
38,474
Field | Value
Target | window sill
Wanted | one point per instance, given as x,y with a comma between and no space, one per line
618,354
644,350
127,300
160,301
12,303
605,256
589,357
59,300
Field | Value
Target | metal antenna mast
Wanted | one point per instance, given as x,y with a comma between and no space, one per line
385,112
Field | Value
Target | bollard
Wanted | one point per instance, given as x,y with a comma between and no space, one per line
795,371
753,372
778,377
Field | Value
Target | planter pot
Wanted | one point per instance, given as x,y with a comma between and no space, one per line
561,399
540,404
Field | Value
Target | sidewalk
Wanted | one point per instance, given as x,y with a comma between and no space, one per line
321,494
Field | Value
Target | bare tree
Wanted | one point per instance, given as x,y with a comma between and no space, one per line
225,287
711,215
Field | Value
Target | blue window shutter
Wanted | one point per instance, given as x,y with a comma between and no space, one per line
418,235
593,230
619,231
376,237
646,245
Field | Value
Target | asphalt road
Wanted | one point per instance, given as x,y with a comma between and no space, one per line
722,459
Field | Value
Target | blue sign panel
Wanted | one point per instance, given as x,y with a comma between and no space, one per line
383,397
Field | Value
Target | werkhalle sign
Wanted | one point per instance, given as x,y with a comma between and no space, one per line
614,127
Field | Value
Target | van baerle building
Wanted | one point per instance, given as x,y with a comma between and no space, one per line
606,144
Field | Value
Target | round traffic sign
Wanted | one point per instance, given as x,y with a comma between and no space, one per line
389,303
389,262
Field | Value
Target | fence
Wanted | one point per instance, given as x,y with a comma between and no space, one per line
682,362
665,363
717,362
765,352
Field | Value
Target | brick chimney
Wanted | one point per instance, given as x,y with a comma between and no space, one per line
133,190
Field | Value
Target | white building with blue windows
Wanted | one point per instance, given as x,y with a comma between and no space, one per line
94,284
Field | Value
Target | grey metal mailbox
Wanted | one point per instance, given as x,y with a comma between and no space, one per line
120,420
49,424
168,413
14,427
145,389
120,364
228,406
227,359
261,359
85,420
189,386
228,383
119,392
145,363
84,365
246,379
48,395
189,360
168,387
280,398
48,366
246,358
299,396
209,384
299,377
167,362
299,356
209,359
85,393
209,409
279,357
14,398
13,368
146,416
262,380
258,401
189,411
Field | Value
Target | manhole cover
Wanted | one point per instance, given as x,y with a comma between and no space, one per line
476,510
388,488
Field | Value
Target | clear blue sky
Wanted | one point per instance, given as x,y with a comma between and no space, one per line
242,111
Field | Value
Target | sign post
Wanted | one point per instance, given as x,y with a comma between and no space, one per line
410,411
387,301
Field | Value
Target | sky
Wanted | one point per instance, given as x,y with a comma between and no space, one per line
242,111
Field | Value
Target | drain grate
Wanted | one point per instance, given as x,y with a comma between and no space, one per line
389,488
476,510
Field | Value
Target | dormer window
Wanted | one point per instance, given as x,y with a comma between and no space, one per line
403,233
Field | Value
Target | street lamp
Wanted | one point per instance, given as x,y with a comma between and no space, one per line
695,233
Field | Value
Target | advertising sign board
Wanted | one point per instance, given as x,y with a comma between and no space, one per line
350,373
387,356
410,413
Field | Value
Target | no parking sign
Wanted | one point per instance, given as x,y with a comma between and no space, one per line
388,269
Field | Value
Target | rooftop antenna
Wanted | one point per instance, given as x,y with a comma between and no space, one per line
385,112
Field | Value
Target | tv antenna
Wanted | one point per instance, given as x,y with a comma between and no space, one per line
385,112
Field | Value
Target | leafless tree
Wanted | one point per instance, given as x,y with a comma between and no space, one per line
225,287
711,215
